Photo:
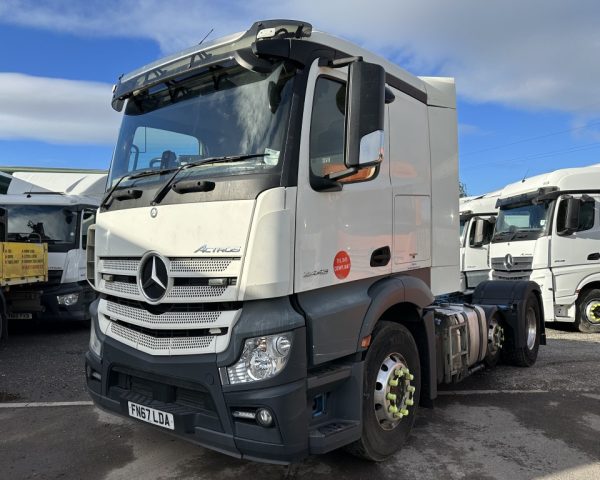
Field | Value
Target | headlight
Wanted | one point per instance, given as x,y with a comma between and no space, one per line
95,343
262,358
68,299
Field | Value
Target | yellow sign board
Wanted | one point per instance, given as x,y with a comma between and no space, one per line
23,262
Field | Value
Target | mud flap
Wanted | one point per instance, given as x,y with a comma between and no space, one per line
510,297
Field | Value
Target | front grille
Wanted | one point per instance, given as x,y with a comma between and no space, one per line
144,317
120,264
188,265
520,264
511,275
176,264
124,288
155,343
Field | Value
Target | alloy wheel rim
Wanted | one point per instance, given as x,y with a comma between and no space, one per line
531,328
394,393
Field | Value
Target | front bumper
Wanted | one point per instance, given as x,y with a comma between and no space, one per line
190,388
80,311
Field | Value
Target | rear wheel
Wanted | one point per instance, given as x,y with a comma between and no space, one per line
527,355
588,311
392,387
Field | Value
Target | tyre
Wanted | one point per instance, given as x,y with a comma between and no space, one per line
588,311
527,355
391,392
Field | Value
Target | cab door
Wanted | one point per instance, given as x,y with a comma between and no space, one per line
341,236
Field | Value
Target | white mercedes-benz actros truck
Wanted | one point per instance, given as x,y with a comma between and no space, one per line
282,211
548,231
477,218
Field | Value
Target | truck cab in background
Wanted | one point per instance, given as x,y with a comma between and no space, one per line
548,231
55,208
477,217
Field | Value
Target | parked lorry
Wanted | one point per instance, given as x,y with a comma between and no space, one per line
548,231
477,217
279,220
20,264
34,212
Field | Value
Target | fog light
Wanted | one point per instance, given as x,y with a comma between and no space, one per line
264,417
68,299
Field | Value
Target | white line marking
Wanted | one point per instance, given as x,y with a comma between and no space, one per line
488,392
46,404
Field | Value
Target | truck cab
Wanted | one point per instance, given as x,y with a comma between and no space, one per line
267,255
477,219
548,231
60,222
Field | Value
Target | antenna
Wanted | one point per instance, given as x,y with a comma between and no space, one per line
206,36
525,176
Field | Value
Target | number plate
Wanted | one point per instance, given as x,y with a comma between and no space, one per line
151,415
19,316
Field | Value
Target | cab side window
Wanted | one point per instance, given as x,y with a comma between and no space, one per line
327,131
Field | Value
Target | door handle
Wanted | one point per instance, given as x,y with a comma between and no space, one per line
381,257
594,256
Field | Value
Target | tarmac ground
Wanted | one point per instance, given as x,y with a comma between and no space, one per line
507,423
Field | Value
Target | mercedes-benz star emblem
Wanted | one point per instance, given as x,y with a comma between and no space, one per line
153,212
508,261
153,277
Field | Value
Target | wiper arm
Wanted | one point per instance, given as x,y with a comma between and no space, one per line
162,192
106,201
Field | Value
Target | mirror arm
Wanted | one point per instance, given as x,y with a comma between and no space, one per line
339,63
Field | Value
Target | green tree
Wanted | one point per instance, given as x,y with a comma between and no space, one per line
462,189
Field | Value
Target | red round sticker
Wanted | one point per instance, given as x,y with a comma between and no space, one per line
341,265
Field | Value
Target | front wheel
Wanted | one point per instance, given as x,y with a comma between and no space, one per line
588,311
392,388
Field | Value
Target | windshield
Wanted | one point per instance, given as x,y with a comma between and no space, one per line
522,222
223,111
54,225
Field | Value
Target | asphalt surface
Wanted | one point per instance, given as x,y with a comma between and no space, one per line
506,423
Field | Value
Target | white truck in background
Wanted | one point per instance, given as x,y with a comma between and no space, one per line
56,207
477,217
548,231
281,212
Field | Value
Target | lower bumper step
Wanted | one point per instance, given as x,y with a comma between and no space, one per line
332,435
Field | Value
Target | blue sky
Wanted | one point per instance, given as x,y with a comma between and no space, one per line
526,72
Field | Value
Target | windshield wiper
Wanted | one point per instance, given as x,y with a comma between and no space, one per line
106,201
162,192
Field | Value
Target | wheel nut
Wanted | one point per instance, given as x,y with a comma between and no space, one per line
398,415
391,396
404,411
410,402
410,389
398,372
411,376
393,383
393,409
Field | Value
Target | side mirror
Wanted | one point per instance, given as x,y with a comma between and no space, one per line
365,112
476,240
570,220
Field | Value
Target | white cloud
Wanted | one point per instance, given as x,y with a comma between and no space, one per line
56,110
534,54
